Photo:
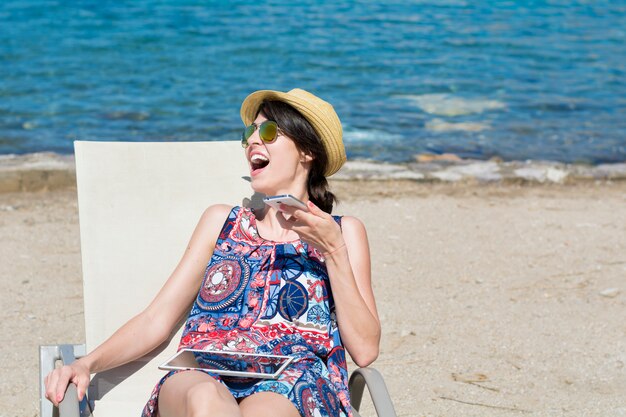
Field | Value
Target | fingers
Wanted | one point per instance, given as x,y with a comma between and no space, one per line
298,219
315,210
62,382
314,225
297,213
290,210
56,384
51,385
46,382
82,383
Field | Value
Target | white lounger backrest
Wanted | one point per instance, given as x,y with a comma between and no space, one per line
138,205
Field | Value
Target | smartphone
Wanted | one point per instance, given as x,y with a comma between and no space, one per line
286,199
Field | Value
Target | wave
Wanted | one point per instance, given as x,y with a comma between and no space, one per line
439,125
368,136
450,106
467,170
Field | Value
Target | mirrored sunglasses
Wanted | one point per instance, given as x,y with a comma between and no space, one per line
268,131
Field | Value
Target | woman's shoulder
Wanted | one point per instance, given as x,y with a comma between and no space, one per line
214,219
216,211
353,230
351,222
215,215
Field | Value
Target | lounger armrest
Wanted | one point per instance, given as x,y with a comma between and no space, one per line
376,387
70,406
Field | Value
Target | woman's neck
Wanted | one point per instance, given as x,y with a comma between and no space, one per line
272,225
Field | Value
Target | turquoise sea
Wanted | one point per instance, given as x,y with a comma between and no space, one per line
543,80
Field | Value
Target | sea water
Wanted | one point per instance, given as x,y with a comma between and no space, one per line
542,80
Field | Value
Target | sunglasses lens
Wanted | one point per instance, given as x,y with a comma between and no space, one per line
248,131
268,131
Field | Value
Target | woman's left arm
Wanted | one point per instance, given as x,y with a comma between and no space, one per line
349,270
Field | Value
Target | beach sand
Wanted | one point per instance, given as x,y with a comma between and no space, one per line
495,300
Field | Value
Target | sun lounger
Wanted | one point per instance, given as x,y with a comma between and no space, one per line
138,205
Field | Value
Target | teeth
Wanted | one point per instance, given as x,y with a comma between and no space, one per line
258,158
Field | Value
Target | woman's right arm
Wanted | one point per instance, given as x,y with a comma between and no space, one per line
152,326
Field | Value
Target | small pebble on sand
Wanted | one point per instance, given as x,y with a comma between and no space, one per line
610,292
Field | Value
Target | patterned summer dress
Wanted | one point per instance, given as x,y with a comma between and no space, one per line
271,297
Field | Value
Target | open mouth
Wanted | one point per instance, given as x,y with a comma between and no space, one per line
258,162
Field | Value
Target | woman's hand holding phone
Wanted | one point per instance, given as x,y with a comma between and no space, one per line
315,227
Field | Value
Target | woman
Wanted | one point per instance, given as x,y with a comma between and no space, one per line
289,281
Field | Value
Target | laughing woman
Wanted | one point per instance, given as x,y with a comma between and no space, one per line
280,281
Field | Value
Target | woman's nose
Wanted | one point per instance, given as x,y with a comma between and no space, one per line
254,137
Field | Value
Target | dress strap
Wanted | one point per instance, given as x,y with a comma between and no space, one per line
338,219
229,223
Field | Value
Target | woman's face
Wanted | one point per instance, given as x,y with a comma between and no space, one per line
277,167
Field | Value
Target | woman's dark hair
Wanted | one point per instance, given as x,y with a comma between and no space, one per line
294,125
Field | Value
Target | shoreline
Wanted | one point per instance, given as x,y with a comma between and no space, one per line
51,171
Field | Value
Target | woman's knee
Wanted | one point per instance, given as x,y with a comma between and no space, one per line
210,398
195,394
268,404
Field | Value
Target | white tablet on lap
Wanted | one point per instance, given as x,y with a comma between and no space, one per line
249,365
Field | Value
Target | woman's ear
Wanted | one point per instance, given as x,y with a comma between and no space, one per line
306,157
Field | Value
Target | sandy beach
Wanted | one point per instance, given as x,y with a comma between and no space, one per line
496,300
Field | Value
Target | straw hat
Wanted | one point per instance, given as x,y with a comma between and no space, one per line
318,112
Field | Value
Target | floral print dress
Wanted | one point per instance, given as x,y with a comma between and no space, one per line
270,297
